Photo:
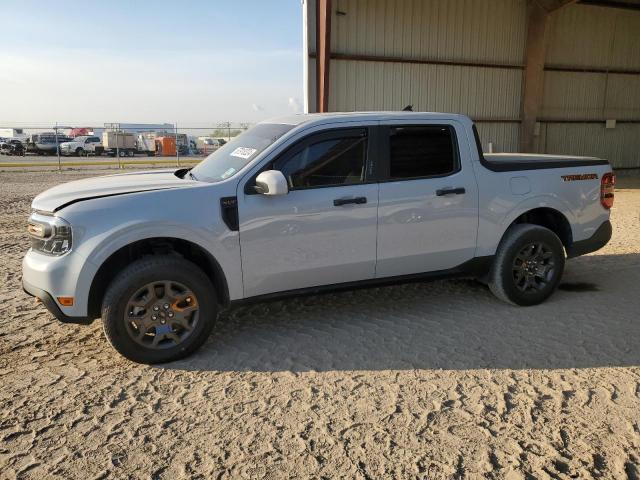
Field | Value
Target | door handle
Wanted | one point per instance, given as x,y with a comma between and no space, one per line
447,191
344,201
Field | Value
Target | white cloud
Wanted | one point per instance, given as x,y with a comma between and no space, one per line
257,108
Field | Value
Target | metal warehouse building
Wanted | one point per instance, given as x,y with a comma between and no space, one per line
549,76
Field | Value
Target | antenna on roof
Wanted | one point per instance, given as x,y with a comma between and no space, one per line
408,108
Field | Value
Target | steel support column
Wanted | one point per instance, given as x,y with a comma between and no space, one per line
535,53
323,57
533,87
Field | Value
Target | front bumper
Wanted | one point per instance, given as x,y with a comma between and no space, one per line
52,306
595,242
48,277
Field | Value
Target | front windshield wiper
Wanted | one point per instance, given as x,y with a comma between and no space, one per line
192,176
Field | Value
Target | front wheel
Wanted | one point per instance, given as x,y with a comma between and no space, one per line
159,309
528,265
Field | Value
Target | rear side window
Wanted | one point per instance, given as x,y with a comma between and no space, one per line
421,151
329,162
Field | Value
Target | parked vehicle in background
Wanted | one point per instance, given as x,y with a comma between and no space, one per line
121,143
84,145
207,145
146,144
303,204
85,131
166,146
45,143
12,146
14,133
163,143
182,143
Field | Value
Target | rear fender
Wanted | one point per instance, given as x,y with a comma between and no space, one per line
495,221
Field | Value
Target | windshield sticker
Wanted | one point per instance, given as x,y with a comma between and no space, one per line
228,173
243,152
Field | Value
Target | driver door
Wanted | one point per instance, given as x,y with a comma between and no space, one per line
323,231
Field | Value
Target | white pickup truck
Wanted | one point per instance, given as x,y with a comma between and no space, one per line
82,145
303,204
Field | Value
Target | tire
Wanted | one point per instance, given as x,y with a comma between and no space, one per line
120,319
523,274
79,152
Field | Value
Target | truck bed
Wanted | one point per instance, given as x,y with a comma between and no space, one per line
507,162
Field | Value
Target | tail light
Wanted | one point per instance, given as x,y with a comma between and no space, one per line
607,187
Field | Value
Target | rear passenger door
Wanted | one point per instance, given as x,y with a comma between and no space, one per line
428,201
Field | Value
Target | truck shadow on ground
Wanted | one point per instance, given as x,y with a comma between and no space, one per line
454,324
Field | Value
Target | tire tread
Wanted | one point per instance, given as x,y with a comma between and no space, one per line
123,281
514,235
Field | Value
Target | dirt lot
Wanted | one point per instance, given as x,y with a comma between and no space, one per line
429,381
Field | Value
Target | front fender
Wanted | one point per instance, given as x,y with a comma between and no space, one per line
220,243
102,226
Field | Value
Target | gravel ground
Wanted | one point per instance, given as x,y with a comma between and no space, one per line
428,381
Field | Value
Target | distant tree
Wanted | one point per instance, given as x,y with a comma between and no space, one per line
223,132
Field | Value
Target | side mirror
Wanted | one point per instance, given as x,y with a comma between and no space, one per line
271,182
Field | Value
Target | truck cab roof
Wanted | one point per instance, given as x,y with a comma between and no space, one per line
339,117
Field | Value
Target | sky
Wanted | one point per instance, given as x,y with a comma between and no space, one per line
192,62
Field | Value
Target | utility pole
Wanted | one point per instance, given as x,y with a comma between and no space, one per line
58,148
177,148
118,146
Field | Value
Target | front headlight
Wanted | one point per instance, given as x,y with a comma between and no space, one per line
49,235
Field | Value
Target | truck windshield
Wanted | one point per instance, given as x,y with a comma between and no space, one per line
229,159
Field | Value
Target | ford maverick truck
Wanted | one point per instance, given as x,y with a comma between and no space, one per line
303,204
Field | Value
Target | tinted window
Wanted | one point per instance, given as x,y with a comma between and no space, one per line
421,152
335,161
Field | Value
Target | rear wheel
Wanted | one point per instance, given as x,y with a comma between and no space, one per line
528,265
79,152
159,309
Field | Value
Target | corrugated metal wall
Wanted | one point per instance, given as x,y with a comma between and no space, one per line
593,38
590,36
619,145
478,92
473,30
491,32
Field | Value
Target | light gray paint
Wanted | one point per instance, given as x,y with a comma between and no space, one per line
301,239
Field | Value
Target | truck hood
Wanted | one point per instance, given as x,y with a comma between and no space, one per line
60,196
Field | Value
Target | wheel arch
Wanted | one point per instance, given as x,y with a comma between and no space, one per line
135,250
547,217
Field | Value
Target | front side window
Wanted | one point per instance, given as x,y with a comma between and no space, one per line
229,159
421,151
330,162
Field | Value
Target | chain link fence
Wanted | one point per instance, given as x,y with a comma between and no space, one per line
112,144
